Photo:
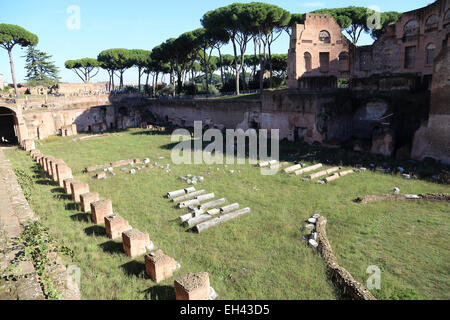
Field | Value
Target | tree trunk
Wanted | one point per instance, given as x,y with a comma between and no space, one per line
155,87
139,79
112,77
270,66
236,68
205,64
254,64
221,66
261,67
13,75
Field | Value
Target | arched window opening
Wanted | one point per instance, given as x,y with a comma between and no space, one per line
344,61
411,28
324,36
430,51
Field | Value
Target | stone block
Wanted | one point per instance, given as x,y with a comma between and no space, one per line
86,199
34,152
63,172
78,188
29,145
66,185
47,163
135,242
100,210
192,287
159,266
52,168
115,225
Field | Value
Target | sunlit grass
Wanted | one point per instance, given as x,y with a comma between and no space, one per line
257,256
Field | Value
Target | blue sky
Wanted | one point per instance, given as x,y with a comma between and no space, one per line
134,24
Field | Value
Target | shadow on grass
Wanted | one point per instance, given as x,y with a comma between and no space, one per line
72,206
81,217
45,182
62,197
152,133
95,231
134,268
158,292
112,247
57,190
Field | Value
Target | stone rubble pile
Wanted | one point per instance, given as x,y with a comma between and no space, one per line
204,211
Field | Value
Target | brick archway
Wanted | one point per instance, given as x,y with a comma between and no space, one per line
9,126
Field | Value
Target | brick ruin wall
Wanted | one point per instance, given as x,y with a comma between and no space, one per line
326,117
433,138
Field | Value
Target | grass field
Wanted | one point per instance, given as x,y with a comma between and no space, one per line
257,256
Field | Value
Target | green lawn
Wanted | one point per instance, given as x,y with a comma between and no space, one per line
259,255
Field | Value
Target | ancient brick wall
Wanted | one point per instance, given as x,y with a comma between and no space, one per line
409,46
433,138
318,48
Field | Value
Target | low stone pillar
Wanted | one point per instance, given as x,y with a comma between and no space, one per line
100,210
135,242
63,172
47,163
86,199
78,188
53,172
36,155
116,225
66,184
192,287
28,145
39,159
34,152
159,266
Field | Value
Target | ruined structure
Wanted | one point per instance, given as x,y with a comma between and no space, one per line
433,138
377,110
408,46
2,85
318,50
80,88
384,111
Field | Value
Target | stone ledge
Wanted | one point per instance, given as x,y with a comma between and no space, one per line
339,275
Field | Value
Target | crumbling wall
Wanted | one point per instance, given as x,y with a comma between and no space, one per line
214,113
433,138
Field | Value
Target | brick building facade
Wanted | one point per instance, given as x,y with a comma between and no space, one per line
318,49
407,47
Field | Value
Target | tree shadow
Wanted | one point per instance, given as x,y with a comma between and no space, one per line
95,231
158,292
134,268
81,217
112,247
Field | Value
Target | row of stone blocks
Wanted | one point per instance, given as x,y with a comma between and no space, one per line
158,265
